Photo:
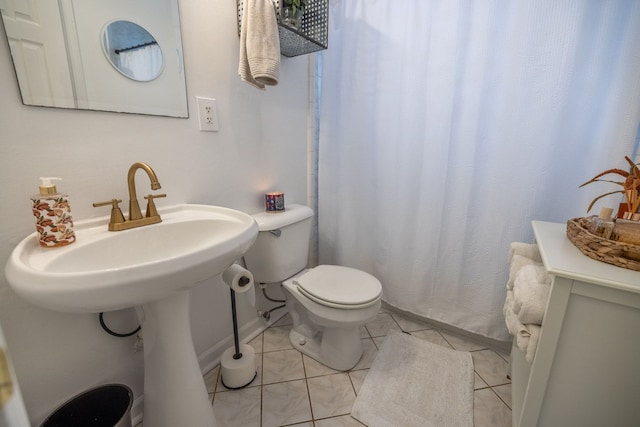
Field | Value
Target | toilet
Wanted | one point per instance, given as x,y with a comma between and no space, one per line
328,303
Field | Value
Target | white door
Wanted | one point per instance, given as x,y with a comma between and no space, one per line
12,410
38,51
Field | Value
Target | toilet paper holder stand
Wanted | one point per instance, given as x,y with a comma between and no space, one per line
234,314
240,371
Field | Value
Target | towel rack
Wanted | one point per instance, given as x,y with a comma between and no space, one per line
313,34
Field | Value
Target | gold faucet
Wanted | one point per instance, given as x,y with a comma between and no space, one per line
117,221
134,208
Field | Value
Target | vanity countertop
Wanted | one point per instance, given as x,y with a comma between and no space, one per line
562,258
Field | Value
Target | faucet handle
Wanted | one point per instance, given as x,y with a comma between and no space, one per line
112,202
151,206
116,213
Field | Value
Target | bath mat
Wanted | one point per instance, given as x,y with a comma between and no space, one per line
413,382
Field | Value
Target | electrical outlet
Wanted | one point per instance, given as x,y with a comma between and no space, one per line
207,114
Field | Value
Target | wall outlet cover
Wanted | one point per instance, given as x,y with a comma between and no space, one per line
207,114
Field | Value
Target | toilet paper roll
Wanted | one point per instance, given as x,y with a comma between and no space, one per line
238,278
237,373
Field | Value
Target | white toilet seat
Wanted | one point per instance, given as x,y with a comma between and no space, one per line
339,287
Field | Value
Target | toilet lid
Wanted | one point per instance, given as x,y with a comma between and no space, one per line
334,285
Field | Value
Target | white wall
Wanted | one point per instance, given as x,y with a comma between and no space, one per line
261,146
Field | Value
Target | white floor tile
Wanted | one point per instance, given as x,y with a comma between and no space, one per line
211,379
331,395
378,341
238,407
284,321
432,336
364,333
313,368
256,343
285,403
357,378
504,392
342,421
492,368
478,383
381,325
276,338
408,324
489,410
462,343
278,366
369,352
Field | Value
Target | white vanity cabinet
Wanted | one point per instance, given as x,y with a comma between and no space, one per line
586,371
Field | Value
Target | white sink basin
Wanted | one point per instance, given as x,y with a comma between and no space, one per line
152,267
106,270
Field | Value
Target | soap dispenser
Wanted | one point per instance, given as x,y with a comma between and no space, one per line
602,225
52,213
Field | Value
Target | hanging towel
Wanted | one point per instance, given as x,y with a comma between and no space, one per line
259,44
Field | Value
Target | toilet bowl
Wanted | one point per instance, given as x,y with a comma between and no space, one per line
327,303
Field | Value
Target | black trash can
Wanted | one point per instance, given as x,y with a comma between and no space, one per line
103,406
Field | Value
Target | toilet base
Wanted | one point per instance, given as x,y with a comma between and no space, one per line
337,348
327,334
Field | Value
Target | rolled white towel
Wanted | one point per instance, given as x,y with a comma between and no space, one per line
531,289
508,303
527,340
522,338
532,345
510,318
517,262
526,336
528,250
530,302
513,324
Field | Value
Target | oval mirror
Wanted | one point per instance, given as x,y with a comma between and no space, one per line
132,50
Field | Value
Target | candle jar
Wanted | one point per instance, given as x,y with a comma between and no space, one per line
274,202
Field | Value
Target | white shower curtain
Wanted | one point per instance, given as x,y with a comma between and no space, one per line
447,126
143,64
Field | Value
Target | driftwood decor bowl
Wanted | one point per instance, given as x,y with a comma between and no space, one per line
621,254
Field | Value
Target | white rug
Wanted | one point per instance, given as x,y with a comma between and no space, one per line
413,382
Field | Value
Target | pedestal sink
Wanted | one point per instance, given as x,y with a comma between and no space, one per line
153,267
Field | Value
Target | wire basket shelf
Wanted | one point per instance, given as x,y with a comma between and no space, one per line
313,34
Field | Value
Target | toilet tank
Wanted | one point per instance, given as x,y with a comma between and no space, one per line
282,247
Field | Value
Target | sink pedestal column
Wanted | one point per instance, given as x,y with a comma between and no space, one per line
174,389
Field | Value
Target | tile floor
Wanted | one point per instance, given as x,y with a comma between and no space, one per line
294,390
